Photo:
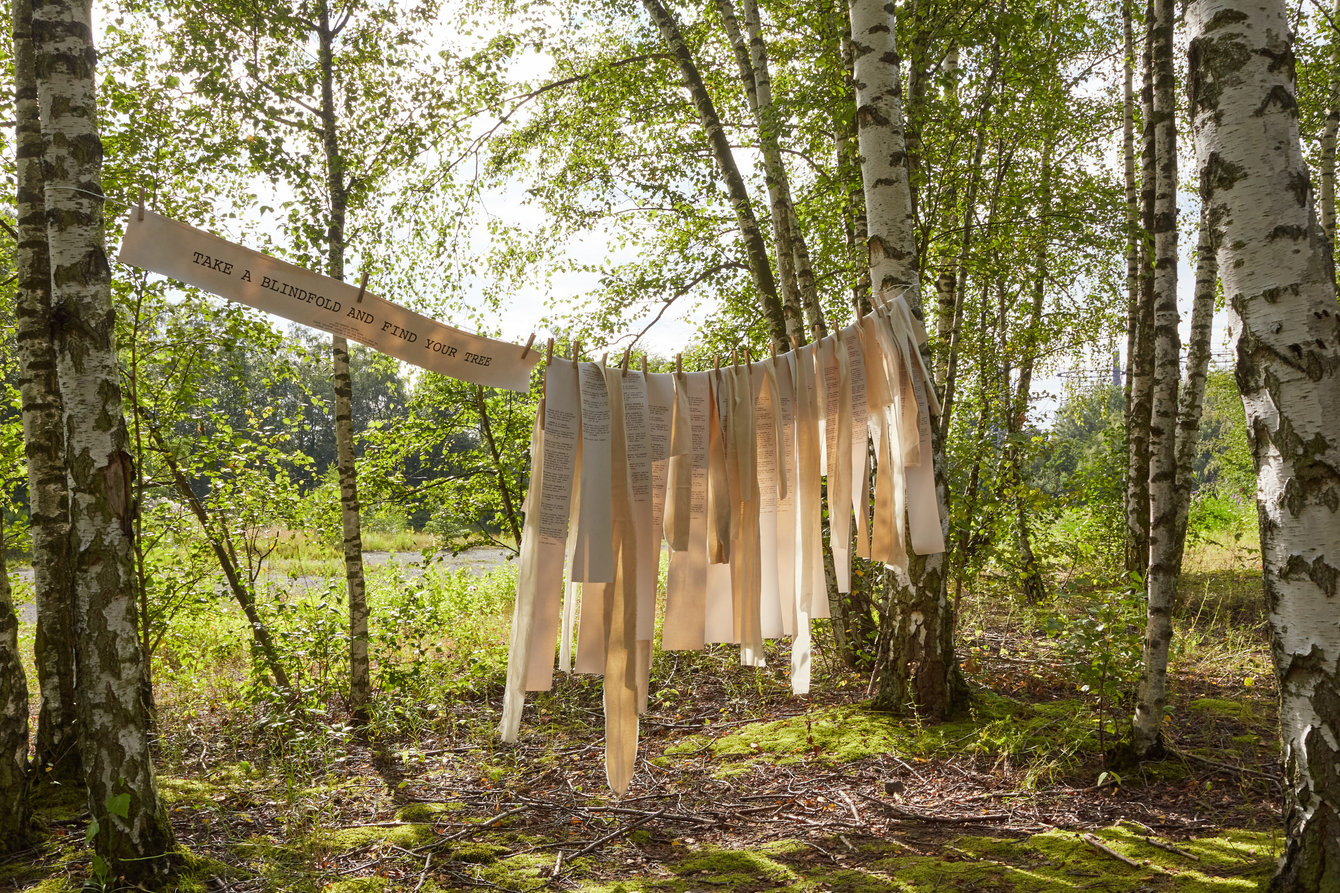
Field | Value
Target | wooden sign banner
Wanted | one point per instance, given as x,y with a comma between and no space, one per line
161,245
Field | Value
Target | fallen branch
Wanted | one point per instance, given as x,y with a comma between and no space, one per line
1104,848
610,836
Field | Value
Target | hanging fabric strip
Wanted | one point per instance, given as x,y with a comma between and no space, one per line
562,426
514,695
885,545
686,583
925,523
679,482
786,543
745,580
859,475
809,566
718,474
767,440
593,557
637,427
572,591
620,605
838,388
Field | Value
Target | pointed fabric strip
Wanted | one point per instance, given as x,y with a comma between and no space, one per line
860,439
514,694
620,604
745,582
768,434
594,558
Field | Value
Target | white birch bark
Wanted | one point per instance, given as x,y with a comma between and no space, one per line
891,237
134,841
1275,268
915,650
56,750
1163,559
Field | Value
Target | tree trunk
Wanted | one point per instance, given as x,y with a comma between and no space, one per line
15,812
504,486
1030,572
56,750
946,283
1191,399
917,668
130,827
1142,362
246,600
1161,577
782,321
360,686
1274,264
1133,237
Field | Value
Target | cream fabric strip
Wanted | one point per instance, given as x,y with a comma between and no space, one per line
620,604
686,585
838,468
768,433
679,480
637,425
745,553
809,566
514,692
593,557
859,476
719,502
572,591
786,541
552,508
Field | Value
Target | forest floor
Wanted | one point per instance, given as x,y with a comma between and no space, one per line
741,786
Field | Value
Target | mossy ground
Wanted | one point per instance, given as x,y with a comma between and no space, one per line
741,787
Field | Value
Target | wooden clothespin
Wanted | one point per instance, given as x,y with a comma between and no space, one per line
716,361
139,212
603,357
679,362
644,365
525,351
576,351
860,311
795,342
363,288
549,352
772,347
735,357
627,354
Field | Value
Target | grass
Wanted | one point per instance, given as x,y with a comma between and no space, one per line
283,797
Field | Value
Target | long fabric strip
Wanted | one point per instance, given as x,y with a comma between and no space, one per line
594,557
686,584
746,587
767,446
620,604
514,694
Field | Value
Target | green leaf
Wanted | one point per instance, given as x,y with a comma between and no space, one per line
119,805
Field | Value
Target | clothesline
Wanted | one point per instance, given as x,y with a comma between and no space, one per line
725,466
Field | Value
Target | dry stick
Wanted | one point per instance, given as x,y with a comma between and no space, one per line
1104,848
851,804
615,833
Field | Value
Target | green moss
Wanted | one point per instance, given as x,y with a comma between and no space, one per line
331,840
518,873
995,725
479,853
356,885
718,865
1242,711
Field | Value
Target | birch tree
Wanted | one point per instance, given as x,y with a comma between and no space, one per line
916,647
56,748
128,825
1163,557
1275,268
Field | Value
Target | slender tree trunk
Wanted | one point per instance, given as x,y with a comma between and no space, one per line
360,686
946,283
1276,274
56,750
1035,586
504,486
222,548
131,833
917,666
15,812
1164,560
782,320
849,168
1132,220
1191,398
949,382
1142,364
